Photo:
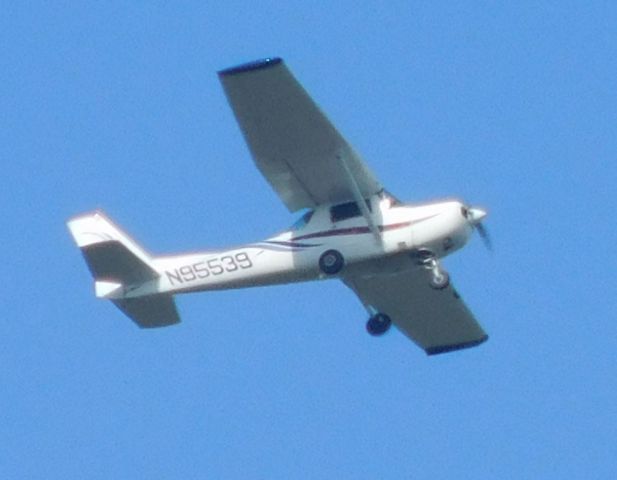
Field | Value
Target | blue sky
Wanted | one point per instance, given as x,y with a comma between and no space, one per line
512,107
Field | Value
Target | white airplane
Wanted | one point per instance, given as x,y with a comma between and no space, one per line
351,229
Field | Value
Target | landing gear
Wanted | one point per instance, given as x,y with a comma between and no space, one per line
439,277
331,262
378,324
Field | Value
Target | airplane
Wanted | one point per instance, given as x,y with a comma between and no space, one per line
387,252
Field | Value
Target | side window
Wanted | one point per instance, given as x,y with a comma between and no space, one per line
347,210
302,221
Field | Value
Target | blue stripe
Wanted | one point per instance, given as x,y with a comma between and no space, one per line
275,248
293,244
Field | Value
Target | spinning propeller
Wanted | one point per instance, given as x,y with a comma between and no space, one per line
475,216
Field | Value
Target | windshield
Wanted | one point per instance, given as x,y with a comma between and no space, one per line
302,221
384,194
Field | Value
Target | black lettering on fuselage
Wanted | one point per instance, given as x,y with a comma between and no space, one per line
214,266
174,277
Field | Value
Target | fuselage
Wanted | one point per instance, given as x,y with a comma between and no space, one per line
293,255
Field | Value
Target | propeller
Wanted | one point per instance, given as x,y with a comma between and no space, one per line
475,217
484,235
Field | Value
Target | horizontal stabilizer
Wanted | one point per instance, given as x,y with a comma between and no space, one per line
151,311
103,289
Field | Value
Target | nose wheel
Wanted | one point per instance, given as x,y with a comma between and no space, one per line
378,324
439,279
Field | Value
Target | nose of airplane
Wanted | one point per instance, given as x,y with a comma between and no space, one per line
476,215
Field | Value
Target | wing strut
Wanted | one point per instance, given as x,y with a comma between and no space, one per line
355,189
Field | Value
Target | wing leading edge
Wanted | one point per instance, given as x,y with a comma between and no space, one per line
438,321
295,146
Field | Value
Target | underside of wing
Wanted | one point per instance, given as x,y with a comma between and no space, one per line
436,320
293,143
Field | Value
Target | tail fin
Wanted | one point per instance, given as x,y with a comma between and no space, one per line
117,263
111,255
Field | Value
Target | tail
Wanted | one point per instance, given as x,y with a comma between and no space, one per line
118,264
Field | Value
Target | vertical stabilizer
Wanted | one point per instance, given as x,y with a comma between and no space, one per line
110,253
119,265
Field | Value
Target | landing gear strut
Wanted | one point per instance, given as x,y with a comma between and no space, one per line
439,277
378,324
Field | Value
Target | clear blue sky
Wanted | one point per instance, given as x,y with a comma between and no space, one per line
104,105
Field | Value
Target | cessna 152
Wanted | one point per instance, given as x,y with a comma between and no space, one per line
352,229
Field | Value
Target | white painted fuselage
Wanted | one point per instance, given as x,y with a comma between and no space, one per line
293,255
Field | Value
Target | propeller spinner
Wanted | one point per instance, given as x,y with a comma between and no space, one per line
475,216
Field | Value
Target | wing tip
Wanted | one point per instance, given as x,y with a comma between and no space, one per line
457,346
251,66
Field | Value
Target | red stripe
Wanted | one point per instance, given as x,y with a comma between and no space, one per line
352,231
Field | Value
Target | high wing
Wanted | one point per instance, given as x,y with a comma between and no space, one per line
436,320
297,149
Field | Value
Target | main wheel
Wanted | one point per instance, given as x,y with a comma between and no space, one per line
331,262
378,324
440,280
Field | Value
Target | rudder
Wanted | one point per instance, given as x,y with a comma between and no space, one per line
111,255
118,263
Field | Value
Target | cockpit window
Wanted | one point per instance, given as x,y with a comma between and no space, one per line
302,221
384,194
347,210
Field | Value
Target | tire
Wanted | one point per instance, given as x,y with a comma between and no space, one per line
331,262
378,324
440,280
